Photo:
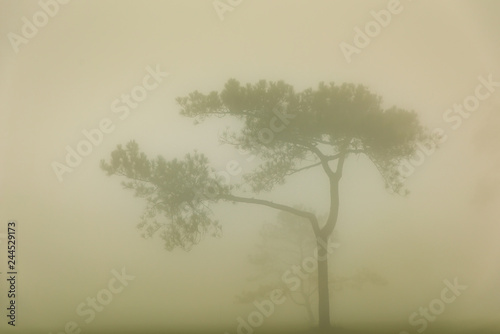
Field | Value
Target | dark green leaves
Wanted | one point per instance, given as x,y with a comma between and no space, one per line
175,193
289,132
336,119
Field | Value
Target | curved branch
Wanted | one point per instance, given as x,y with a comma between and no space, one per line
303,168
311,217
323,158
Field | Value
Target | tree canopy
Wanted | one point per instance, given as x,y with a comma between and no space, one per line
320,123
288,131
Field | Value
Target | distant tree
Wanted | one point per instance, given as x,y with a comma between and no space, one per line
284,245
290,133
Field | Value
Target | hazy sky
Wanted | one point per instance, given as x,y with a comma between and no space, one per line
73,233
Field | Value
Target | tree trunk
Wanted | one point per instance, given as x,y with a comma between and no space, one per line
323,293
322,242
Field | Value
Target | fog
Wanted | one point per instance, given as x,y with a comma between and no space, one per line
78,229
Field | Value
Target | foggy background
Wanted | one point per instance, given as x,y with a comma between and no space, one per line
72,234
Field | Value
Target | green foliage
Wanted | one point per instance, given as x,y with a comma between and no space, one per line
317,127
343,118
171,190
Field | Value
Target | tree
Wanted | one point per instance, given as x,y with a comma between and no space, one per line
284,245
290,133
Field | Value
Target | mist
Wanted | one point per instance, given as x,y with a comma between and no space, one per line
69,78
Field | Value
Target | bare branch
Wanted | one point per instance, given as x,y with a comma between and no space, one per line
302,168
311,217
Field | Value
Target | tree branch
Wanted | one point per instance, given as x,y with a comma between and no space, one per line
340,165
324,159
311,217
303,168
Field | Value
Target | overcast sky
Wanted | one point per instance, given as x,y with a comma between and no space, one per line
64,78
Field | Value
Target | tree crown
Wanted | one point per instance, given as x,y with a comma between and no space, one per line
288,131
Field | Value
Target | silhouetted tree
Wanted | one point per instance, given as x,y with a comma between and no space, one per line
283,246
290,133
